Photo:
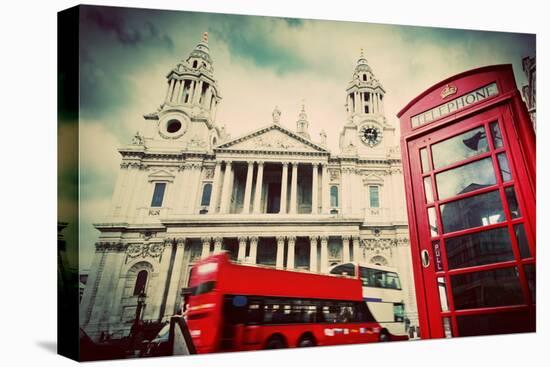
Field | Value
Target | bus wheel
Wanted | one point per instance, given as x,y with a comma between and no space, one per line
275,342
306,341
384,336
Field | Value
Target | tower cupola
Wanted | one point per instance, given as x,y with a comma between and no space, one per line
364,94
302,125
191,83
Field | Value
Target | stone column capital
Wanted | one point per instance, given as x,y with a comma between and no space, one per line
285,163
324,238
168,241
314,238
291,239
206,240
356,238
242,239
315,164
253,239
281,239
180,241
260,163
218,240
250,163
346,237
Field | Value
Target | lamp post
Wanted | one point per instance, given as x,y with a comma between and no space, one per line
136,326
140,301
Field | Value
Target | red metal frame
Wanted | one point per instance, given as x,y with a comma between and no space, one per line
518,138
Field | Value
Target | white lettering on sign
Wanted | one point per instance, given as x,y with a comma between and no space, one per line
455,105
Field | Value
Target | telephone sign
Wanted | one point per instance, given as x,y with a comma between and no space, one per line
468,150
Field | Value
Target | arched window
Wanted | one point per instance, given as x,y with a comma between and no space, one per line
379,260
334,196
141,282
195,64
206,193
364,77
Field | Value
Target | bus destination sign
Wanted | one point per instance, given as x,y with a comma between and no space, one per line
455,105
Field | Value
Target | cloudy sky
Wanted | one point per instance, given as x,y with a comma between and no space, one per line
259,62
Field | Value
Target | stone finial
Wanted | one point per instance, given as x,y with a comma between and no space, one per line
276,114
205,37
323,135
138,139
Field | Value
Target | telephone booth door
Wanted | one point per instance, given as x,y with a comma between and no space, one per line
474,226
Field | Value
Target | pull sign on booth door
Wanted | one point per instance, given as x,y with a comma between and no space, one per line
468,149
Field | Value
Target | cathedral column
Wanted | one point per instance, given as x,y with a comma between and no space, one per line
226,189
192,90
207,97
248,187
215,188
178,91
242,249
198,90
357,257
279,263
314,189
167,98
313,253
205,247
345,248
173,286
259,183
291,252
294,188
157,296
218,245
284,187
253,249
195,184
325,194
324,254
371,102
344,190
181,188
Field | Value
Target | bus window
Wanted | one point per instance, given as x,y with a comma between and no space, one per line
344,269
392,280
203,288
399,312
379,278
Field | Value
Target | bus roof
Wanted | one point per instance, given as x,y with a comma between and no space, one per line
234,278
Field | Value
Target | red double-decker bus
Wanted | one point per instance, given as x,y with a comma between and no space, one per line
246,307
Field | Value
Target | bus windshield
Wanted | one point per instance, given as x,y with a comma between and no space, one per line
379,278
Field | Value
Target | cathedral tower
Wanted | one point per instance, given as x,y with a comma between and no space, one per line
192,97
367,125
302,125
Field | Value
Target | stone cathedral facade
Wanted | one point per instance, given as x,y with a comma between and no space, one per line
272,197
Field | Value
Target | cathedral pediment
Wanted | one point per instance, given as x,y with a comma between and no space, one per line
273,138
161,175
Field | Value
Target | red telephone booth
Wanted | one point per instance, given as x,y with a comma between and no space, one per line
468,149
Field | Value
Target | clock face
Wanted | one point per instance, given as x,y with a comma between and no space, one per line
370,135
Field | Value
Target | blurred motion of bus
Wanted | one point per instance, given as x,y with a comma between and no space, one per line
382,292
247,307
